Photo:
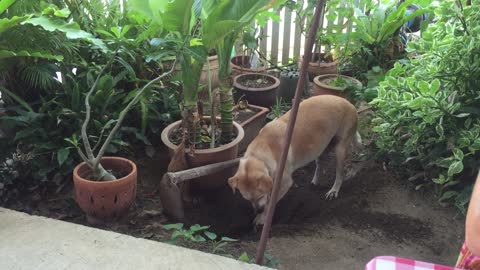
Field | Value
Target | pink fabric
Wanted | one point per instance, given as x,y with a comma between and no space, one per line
398,263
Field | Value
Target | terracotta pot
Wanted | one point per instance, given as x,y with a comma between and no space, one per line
106,200
263,96
252,125
241,65
207,156
324,67
320,87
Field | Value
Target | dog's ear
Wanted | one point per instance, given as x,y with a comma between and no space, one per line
233,183
266,184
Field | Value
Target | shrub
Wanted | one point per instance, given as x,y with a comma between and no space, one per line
428,108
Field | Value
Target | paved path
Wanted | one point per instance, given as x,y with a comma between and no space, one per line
32,242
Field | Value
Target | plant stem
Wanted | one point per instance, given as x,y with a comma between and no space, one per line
212,106
124,112
86,143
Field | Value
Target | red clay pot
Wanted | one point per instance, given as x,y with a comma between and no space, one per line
262,96
320,87
314,68
241,65
252,125
207,156
106,200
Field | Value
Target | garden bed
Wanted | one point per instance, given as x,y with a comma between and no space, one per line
376,213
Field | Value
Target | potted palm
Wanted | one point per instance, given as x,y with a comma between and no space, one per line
201,139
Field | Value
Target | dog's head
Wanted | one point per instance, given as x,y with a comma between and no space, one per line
254,183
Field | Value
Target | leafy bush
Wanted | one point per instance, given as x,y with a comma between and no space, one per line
376,41
428,108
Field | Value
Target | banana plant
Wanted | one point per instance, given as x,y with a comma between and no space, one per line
179,18
223,21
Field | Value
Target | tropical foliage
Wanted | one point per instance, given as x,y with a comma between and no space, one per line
427,108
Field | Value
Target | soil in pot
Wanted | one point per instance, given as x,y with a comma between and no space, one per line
205,132
204,155
257,89
242,115
333,84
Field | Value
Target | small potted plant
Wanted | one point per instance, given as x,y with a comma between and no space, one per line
257,88
334,84
249,61
279,109
105,187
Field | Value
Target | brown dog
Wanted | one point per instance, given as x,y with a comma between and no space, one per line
320,120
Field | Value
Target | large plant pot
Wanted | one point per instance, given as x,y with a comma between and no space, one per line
251,125
264,96
327,65
241,65
207,156
106,200
321,85
288,85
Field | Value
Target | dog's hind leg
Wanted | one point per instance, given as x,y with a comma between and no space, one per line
340,154
316,176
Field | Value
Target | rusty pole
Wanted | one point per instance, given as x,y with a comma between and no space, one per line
291,124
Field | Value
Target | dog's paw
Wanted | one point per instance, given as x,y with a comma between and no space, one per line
331,194
315,181
259,220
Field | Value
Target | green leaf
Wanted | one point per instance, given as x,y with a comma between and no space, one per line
62,155
18,99
25,133
176,226
228,239
455,168
196,228
4,4
177,16
210,235
424,87
462,115
458,153
199,238
439,129
476,144
448,195
434,86
244,258
72,29
7,23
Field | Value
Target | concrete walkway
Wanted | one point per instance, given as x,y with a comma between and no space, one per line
32,242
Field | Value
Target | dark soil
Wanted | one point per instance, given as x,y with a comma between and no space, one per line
176,137
260,82
241,115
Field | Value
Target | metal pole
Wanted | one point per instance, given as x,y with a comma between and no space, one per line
291,124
